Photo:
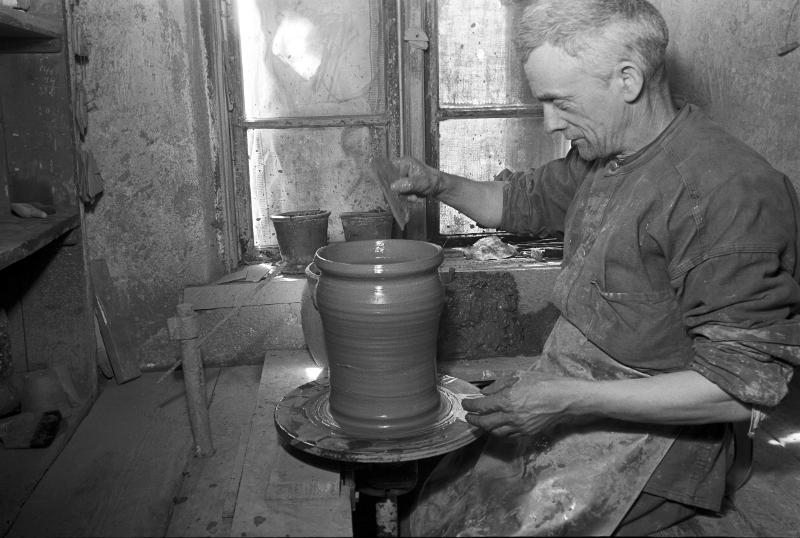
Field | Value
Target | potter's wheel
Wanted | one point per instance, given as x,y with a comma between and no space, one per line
304,420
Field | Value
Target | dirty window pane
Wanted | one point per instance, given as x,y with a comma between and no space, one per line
300,169
478,62
311,58
481,148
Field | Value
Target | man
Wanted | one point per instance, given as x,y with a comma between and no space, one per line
678,295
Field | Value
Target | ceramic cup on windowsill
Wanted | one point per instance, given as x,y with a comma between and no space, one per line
363,225
300,234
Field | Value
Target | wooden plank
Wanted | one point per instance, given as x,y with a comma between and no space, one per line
415,105
17,24
204,505
20,237
284,493
281,290
114,325
122,468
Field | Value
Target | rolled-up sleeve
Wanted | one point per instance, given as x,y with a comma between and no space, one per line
745,332
741,298
536,201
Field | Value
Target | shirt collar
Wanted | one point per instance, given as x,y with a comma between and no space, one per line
625,161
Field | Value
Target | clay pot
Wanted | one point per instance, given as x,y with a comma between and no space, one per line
300,234
363,225
311,320
380,303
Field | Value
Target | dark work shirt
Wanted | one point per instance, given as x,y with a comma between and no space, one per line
681,256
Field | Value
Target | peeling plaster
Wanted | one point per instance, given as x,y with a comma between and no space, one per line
150,131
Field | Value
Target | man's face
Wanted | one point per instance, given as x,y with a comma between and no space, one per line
585,109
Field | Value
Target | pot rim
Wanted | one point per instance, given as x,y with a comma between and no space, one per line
376,214
305,214
403,257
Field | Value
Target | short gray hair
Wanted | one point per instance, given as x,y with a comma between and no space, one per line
600,33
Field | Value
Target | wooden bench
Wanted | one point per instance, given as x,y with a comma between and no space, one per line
284,492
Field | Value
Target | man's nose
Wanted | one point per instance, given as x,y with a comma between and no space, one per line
552,119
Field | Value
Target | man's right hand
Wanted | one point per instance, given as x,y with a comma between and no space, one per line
417,180
481,201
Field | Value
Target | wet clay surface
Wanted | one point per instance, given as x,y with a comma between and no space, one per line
380,304
304,421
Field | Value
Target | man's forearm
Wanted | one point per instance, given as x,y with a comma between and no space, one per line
676,398
482,201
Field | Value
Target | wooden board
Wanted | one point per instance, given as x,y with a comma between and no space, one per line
114,325
384,173
122,468
14,23
280,290
205,504
20,237
285,493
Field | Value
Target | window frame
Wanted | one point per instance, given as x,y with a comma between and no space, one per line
435,115
411,118
389,120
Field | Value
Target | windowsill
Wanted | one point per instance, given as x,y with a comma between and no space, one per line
454,260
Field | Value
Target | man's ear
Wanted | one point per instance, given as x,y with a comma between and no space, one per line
631,80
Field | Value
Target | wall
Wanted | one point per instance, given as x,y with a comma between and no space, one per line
723,57
151,132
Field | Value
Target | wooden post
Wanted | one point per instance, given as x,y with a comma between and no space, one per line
186,328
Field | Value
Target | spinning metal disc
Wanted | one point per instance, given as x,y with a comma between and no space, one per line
304,420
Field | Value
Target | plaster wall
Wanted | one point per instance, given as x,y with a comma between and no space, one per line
723,57
151,132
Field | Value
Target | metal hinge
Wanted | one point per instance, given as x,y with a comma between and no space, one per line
416,37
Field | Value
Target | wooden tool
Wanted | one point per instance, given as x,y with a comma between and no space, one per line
385,173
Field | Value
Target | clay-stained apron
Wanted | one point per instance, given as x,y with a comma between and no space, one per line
579,478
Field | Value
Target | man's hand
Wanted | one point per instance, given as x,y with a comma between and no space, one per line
417,180
522,404
530,401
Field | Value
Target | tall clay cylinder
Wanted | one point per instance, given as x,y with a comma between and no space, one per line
380,302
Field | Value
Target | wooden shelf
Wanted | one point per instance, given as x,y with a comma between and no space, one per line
22,32
19,24
20,237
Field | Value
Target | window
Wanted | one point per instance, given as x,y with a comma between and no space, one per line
320,91
483,117
317,103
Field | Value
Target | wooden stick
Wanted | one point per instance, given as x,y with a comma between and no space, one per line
273,272
188,329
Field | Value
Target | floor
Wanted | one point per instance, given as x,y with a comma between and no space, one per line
128,469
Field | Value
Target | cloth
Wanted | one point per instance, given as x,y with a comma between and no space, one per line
681,256
578,478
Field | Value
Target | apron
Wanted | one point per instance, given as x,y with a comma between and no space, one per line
576,478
